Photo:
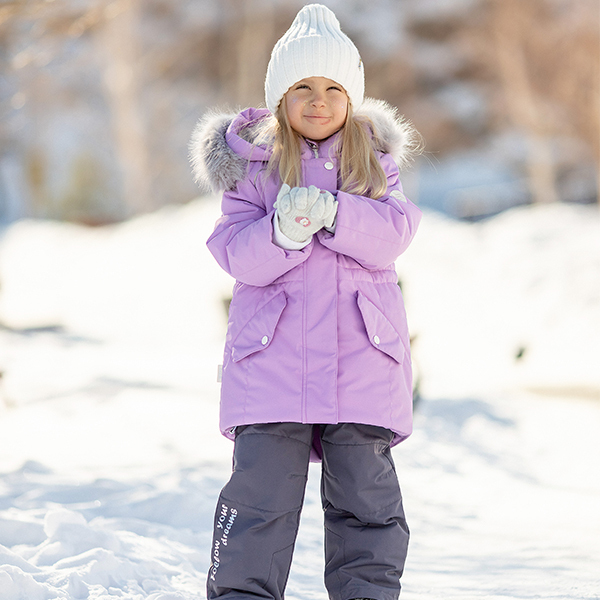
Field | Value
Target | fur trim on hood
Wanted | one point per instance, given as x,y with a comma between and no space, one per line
216,165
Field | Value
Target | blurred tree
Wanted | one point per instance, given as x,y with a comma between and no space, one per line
256,31
514,23
548,57
48,67
537,64
118,37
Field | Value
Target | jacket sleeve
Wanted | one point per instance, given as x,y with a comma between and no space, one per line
374,232
242,241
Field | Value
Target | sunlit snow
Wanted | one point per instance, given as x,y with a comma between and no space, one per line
110,456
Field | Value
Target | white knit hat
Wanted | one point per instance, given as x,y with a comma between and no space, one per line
314,46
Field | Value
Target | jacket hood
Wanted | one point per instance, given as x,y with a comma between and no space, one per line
224,142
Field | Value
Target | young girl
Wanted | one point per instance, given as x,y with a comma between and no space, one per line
317,362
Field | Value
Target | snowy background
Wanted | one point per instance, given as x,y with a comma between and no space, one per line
110,457
110,337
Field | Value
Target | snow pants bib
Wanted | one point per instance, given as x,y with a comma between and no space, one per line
258,513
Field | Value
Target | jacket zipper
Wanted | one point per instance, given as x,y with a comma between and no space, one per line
314,147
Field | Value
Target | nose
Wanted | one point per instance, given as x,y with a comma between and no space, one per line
318,99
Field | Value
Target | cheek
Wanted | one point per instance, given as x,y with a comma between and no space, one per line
290,107
342,108
294,104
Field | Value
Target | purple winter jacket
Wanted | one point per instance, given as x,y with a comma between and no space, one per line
317,335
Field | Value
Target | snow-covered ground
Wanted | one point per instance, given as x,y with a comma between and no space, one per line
110,458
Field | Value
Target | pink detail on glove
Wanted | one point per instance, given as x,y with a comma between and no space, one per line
304,221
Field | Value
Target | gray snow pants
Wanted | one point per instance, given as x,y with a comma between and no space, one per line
258,513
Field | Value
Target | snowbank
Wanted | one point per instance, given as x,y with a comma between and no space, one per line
509,303
110,459
512,302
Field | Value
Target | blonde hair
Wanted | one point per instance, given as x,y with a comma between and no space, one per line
360,170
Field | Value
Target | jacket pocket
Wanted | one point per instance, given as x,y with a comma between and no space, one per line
380,331
258,332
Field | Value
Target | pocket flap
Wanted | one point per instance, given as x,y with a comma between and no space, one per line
259,330
380,331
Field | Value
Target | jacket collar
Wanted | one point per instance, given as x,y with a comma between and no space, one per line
224,143
321,149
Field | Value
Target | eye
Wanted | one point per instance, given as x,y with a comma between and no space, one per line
301,86
335,87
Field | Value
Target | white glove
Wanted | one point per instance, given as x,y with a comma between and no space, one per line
301,211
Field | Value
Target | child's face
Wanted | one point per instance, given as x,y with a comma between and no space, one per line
316,107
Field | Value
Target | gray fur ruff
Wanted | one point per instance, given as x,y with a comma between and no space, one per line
216,166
